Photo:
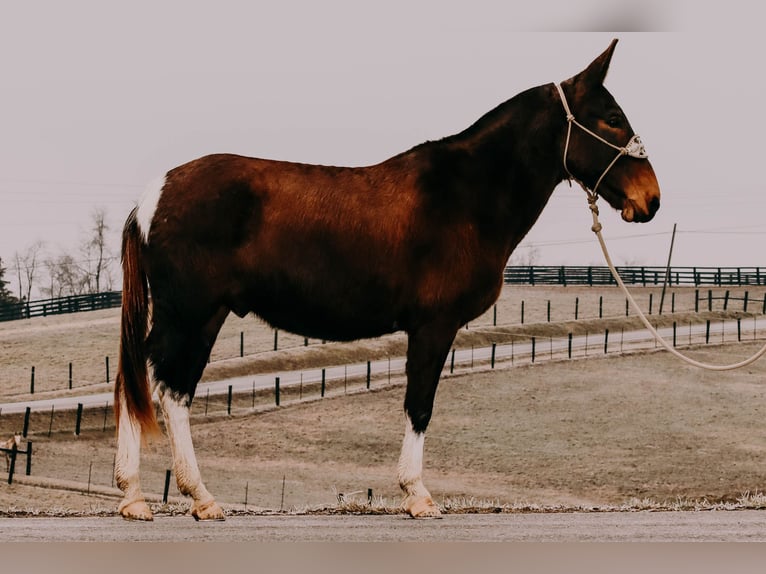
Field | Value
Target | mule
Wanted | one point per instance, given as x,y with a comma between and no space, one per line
416,243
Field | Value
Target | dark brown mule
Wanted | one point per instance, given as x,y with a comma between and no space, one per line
416,243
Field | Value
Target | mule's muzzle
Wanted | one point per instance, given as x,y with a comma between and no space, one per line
633,213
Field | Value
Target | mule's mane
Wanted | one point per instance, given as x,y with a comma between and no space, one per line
494,121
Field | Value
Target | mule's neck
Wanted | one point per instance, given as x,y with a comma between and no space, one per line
503,168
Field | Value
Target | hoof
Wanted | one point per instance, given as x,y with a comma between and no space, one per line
422,508
135,510
207,511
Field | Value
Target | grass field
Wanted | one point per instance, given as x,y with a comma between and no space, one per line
593,432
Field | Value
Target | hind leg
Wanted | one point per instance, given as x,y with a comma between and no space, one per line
178,360
133,506
426,353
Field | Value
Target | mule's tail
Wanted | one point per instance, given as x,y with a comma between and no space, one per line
132,389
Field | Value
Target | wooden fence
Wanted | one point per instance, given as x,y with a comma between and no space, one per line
60,305
634,275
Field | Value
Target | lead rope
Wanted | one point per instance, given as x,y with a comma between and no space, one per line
597,230
635,149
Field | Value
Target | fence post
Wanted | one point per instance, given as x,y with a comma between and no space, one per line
368,374
739,329
696,300
533,349
32,383
606,340
494,346
726,300
228,402
674,333
707,331
323,381
744,305
549,310
600,306
709,299
276,338
276,391
167,487
70,375
522,310
241,343
106,367
494,316
27,412
79,420
650,302
29,458
452,362
569,346
12,468
577,307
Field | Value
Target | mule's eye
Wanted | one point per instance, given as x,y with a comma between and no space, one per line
614,121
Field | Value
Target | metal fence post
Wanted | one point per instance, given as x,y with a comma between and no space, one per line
79,420
276,391
27,412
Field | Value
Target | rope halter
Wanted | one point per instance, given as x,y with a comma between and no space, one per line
634,148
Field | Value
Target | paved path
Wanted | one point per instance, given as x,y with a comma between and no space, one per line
720,526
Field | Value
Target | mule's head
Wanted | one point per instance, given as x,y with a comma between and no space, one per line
630,184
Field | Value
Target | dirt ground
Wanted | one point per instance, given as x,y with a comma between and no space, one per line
580,433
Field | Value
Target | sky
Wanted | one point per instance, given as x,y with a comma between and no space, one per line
97,99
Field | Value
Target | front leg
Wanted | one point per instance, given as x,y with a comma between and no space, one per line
427,351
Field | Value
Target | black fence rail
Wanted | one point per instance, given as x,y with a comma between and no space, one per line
60,306
634,275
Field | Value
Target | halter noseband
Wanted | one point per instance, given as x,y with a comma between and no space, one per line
634,148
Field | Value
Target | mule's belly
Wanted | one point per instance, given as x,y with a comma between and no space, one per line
328,314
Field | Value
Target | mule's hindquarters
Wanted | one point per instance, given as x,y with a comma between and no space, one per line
171,358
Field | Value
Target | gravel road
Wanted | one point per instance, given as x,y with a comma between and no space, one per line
720,526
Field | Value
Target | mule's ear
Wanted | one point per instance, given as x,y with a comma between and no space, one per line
596,72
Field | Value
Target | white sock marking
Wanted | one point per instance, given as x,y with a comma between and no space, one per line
187,473
411,461
128,454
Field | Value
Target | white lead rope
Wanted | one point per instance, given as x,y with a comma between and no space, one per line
597,230
634,148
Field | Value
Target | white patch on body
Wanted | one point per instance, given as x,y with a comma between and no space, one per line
147,205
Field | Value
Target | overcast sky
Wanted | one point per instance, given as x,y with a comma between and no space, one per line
99,98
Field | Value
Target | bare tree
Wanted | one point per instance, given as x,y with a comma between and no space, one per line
27,265
525,256
98,258
65,276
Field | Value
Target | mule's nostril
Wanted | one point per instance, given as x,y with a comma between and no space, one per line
654,205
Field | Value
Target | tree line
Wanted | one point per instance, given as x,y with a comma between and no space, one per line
87,269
